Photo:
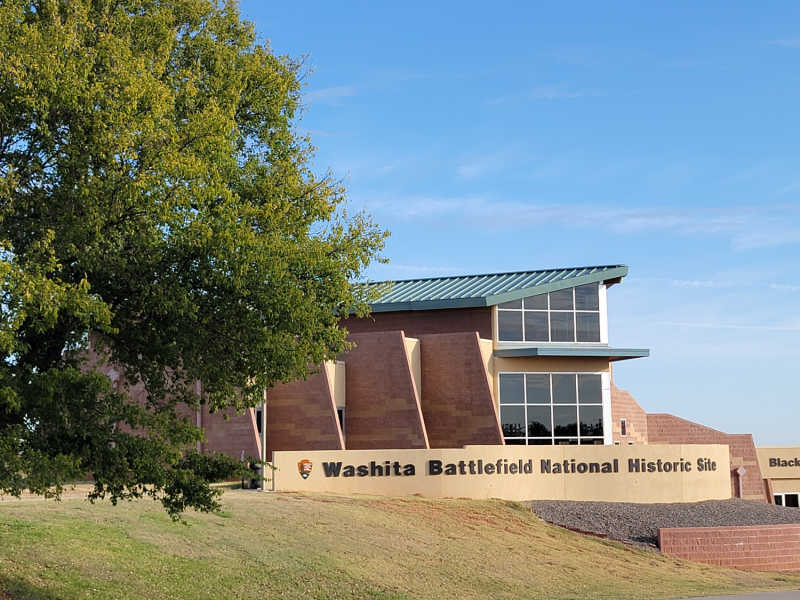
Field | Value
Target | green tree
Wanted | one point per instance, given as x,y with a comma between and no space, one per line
157,199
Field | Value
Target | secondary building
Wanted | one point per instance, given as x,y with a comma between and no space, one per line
780,465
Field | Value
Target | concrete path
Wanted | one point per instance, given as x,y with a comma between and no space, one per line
793,595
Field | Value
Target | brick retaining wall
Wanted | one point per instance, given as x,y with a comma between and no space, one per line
669,429
755,548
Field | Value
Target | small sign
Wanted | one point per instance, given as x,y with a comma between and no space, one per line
304,466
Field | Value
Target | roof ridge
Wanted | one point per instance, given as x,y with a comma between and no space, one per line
490,274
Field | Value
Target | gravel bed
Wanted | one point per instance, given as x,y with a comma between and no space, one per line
639,523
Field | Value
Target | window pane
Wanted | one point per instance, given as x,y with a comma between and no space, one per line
512,304
565,420
539,422
509,323
791,500
586,297
567,442
540,441
561,300
536,302
778,499
591,420
591,441
590,389
511,388
561,327
588,326
536,326
515,441
538,388
513,420
563,389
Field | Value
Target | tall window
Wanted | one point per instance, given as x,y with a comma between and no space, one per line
551,408
570,315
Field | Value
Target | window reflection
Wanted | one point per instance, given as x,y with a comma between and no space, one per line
568,315
551,408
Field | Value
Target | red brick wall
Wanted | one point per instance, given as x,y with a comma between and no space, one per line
456,394
382,407
624,406
669,429
233,436
301,415
422,322
756,548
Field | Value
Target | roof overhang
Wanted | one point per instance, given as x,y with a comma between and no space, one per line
610,276
612,354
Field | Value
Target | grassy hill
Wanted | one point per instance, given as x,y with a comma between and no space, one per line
325,546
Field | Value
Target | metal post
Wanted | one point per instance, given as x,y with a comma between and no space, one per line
739,483
263,439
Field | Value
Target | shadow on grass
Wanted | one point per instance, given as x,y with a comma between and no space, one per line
14,588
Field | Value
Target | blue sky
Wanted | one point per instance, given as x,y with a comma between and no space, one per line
514,136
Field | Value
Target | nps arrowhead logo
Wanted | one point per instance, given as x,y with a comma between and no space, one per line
304,466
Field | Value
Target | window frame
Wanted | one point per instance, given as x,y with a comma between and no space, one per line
783,498
554,439
548,311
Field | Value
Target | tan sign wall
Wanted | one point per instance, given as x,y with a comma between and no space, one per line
668,473
779,462
786,486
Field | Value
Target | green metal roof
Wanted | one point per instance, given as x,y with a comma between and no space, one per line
570,351
468,291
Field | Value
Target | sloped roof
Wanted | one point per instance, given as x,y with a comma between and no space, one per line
467,291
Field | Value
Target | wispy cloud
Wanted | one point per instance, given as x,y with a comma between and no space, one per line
479,166
325,133
383,78
747,227
725,281
769,237
406,271
787,43
790,188
691,283
687,63
578,55
784,287
330,94
788,326
554,92
549,92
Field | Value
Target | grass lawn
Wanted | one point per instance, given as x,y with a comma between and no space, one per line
326,546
